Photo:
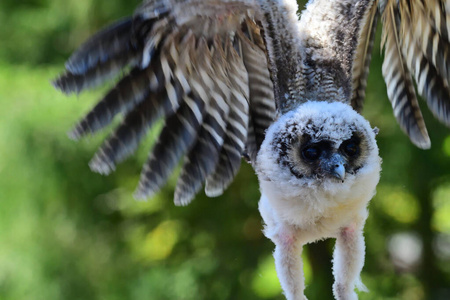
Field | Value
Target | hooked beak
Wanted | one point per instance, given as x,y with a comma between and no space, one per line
339,172
335,166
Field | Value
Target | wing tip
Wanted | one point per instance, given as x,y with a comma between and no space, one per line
143,191
75,133
101,164
183,196
213,192
61,83
76,66
214,188
138,196
422,143
181,201
419,137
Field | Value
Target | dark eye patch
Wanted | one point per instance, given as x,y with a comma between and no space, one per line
313,151
351,147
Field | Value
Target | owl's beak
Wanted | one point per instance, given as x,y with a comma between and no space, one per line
336,166
339,171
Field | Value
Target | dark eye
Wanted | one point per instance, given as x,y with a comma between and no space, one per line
311,153
351,148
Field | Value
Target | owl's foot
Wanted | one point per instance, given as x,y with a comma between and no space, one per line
341,292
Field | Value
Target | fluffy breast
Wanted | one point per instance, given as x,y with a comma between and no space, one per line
319,206
320,210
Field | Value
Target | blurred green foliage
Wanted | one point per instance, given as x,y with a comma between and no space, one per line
67,233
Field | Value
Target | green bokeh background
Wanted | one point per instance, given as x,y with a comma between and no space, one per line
68,233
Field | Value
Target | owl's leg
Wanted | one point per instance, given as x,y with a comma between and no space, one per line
348,261
288,262
288,251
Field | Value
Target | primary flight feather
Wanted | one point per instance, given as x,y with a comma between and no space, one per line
248,78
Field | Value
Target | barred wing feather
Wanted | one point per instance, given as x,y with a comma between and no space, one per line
417,45
399,82
363,56
199,65
416,49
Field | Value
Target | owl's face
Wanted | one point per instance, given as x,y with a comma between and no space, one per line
320,145
320,157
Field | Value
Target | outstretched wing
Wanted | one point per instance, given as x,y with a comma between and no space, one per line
200,65
416,45
335,60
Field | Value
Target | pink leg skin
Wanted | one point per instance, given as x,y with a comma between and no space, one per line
348,261
287,254
288,262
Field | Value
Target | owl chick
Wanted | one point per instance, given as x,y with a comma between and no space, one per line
318,168
247,77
